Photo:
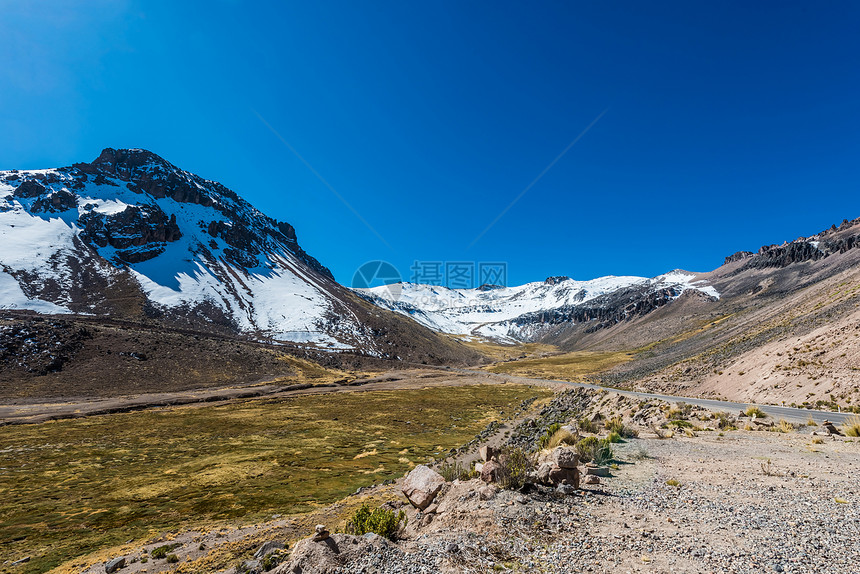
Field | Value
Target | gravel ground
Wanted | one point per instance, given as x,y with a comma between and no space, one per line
732,512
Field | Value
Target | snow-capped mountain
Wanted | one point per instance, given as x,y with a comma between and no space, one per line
525,312
132,235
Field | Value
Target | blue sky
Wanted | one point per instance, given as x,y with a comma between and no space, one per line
727,125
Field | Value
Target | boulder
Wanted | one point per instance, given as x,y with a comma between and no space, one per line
487,452
565,489
326,557
491,471
565,457
267,549
421,486
114,565
564,476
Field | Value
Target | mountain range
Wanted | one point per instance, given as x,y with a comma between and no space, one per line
130,237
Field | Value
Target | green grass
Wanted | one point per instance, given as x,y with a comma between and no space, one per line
68,488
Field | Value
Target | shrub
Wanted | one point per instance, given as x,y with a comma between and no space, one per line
516,465
593,449
614,437
754,411
585,425
172,558
162,551
673,482
617,425
724,422
381,521
456,471
852,427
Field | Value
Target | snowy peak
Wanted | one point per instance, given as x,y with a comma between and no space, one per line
131,226
525,312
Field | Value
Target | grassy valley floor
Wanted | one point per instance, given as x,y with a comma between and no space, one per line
70,487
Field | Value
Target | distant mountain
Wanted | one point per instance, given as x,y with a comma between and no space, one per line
529,312
132,236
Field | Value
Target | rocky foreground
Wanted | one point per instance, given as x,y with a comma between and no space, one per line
703,500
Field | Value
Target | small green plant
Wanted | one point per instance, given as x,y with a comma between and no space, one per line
614,437
673,482
516,465
616,425
381,521
172,558
852,427
163,551
593,449
754,411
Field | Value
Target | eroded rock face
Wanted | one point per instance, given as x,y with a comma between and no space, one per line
421,486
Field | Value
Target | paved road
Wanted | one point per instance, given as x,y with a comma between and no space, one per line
790,414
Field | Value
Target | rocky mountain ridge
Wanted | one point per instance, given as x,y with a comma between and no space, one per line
132,236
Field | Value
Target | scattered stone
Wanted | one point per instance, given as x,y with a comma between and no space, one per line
114,565
421,486
21,561
565,489
592,479
452,548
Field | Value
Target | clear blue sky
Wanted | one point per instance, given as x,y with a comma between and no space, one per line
728,124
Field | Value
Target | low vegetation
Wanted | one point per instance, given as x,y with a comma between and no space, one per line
382,521
754,411
516,465
568,366
73,486
852,427
596,450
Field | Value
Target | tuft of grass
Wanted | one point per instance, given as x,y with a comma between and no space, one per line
172,559
852,427
616,425
817,440
163,551
754,411
560,437
673,482
614,437
783,426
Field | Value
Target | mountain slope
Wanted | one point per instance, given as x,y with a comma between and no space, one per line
132,236
530,312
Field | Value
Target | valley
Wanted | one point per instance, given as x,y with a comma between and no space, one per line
176,371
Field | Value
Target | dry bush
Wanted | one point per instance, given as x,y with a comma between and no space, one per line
852,427
783,426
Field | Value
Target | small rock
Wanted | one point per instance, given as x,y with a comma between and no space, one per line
592,479
321,533
487,453
452,548
490,472
487,492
